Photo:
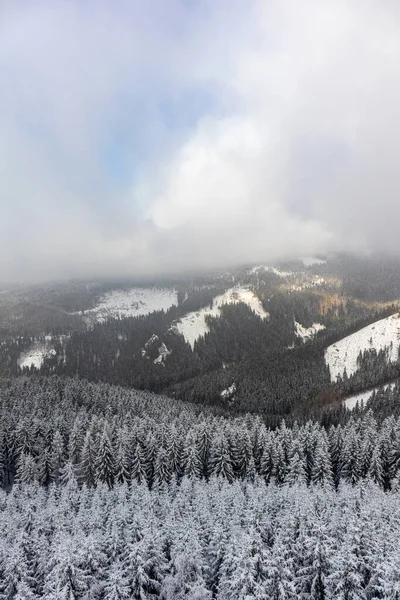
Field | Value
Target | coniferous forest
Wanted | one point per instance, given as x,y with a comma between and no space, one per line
199,300
111,493
230,469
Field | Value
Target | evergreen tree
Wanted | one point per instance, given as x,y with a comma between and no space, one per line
105,461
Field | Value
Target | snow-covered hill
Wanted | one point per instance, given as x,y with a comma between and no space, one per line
379,335
133,302
193,325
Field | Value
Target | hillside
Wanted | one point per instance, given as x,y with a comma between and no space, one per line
286,338
379,335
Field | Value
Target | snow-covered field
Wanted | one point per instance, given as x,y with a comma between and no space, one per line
35,355
133,302
379,335
309,261
307,333
274,270
193,325
363,397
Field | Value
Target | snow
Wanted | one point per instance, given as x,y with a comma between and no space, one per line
309,261
274,270
307,333
193,325
229,392
163,351
39,351
35,356
133,302
154,338
379,335
308,284
363,397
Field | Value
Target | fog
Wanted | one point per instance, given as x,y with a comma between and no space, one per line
144,138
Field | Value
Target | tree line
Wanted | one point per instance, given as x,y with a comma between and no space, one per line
54,427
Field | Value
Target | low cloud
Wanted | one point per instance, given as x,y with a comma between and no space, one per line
147,138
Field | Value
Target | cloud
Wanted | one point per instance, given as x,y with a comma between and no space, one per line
144,138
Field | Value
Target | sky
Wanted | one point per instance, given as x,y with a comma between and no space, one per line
147,138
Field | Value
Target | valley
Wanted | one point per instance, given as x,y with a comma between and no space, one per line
283,335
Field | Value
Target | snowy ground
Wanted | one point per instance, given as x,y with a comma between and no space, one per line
274,270
308,283
229,392
380,335
307,333
131,303
363,397
309,261
193,325
35,355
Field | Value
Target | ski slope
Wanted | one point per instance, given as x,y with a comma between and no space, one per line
363,397
133,302
193,325
379,335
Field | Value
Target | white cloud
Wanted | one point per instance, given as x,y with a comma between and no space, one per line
295,153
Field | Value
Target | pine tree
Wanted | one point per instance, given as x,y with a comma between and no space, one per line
162,468
87,464
27,471
280,466
122,462
116,586
267,460
139,469
322,469
57,458
220,461
375,471
105,461
296,468
193,466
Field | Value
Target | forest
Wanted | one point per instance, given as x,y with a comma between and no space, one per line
111,493
134,465
276,374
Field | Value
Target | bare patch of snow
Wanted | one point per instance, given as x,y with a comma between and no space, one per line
383,334
154,338
193,325
362,398
133,302
163,354
309,261
39,351
229,392
35,355
307,333
163,351
270,269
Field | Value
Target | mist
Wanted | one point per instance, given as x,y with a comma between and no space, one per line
148,138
